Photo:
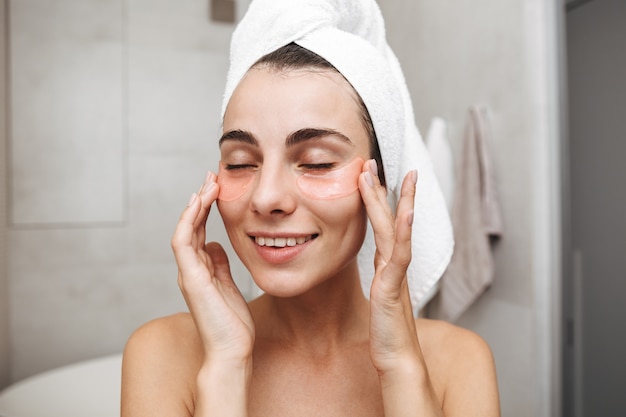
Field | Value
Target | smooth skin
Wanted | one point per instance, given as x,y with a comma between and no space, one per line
312,345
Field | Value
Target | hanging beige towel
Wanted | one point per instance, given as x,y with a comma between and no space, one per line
476,221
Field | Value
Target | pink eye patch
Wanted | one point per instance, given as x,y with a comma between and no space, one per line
332,184
335,183
233,184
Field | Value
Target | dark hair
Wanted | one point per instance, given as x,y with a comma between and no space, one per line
294,56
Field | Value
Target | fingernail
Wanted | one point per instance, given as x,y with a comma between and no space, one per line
411,217
369,179
414,176
374,167
192,200
209,182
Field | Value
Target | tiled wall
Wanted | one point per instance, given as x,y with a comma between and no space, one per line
114,124
67,96
492,53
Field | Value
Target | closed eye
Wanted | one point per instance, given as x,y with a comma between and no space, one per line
235,167
318,167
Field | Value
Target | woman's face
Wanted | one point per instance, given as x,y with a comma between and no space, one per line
291,153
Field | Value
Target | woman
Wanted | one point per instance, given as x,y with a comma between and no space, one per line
299,177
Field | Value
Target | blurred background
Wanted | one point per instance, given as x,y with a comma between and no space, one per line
110,120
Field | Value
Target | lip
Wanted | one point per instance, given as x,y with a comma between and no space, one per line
281,255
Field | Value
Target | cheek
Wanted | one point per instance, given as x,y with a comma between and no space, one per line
231,214
345,216
334,184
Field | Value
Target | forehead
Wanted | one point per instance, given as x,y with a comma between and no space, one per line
272,103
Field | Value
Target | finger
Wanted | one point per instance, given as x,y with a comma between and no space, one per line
378,210
207,195
369,177
183,242
183,234
220,261
222,273
221,267
189,235
401,255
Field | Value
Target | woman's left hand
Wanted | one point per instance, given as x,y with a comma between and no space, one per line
394,343
394,346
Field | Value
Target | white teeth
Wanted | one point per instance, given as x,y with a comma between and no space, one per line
281,242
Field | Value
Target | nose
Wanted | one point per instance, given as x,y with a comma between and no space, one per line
274,192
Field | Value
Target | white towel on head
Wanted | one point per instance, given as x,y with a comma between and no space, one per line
351,36
441,156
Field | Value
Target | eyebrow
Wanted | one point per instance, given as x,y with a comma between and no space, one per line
294,138
239,136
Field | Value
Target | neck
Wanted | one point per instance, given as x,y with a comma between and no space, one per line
333,313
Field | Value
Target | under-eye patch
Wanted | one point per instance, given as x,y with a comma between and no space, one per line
324,185
334,183
233,183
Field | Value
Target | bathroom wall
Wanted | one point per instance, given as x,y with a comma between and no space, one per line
94,198
4,296
115,115
502,55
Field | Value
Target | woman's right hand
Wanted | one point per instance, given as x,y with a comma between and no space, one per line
220,312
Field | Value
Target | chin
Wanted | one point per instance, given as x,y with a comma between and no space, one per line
283,284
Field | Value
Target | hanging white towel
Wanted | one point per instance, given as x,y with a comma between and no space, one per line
441,155
443,166
476,220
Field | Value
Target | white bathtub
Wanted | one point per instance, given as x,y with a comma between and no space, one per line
84,389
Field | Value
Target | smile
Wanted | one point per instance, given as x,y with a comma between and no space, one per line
281,242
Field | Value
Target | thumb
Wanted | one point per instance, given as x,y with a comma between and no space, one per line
220,261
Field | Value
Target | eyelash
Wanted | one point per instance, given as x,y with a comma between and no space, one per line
311,167
233,167
318,167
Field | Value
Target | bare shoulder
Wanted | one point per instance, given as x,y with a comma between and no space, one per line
161,358
449,340
461,366
171,341
164,328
